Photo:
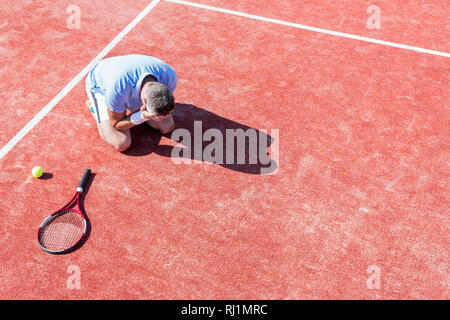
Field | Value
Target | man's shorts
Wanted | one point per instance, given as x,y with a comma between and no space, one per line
97,106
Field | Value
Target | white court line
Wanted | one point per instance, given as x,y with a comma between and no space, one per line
41,114
314,29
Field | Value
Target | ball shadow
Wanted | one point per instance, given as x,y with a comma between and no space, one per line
46,176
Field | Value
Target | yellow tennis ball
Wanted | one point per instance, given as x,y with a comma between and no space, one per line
37,172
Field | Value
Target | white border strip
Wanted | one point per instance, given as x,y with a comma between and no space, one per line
314,29
41,114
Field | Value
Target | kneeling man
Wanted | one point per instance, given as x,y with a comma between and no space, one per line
126,91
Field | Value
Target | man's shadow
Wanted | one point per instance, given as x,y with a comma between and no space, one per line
229,144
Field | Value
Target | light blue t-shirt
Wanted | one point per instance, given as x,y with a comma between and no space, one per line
119,79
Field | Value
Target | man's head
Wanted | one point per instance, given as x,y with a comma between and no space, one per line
158,99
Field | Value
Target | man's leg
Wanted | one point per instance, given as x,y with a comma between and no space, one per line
118,139
165,126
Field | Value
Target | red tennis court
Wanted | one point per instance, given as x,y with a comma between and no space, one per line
349,198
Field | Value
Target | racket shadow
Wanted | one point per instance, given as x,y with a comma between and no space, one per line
82,208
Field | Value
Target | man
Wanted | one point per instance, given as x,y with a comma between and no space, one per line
126,91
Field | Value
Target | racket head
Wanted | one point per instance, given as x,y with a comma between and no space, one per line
62,231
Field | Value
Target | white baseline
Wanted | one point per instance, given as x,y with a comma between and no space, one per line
41,114
314,29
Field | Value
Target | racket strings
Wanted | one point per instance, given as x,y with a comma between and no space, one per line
63,231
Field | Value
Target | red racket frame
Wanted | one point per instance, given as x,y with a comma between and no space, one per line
80,189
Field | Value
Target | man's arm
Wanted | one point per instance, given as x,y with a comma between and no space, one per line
120,121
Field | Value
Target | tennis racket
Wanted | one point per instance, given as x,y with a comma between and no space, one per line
63,230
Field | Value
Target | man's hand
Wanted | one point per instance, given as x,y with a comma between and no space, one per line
155,117
147,115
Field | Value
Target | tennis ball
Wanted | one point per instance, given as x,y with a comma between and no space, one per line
37,172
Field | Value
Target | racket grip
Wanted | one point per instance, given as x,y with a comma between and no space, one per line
83,181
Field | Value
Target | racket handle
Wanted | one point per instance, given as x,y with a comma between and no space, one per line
83,181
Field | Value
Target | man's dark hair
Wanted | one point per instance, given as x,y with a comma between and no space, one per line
159,98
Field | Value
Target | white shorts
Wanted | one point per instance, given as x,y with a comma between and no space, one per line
97,106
